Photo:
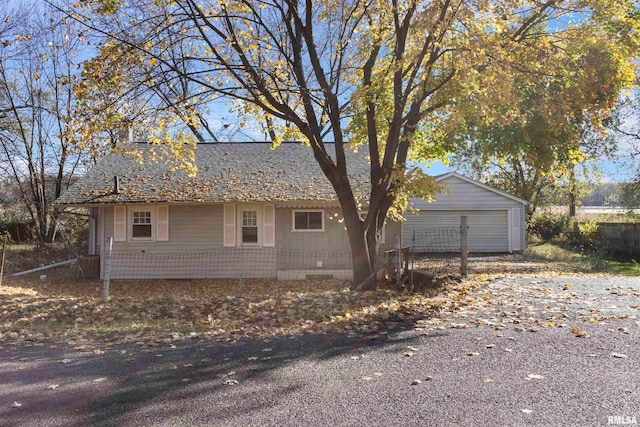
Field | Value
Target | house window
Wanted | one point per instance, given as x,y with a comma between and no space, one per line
308,220
141,226
250,227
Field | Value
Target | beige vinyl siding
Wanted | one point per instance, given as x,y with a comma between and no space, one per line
191,228
459,194
490,214
392,229
303,250
487,229
194,249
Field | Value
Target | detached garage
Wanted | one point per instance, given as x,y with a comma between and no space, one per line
495,219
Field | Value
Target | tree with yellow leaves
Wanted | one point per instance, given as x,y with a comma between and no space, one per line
559,129
392,78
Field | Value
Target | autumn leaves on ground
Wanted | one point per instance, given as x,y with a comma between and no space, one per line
158,312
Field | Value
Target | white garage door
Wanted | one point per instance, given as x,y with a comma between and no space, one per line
487,230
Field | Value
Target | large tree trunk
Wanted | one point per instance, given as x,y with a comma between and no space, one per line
362,254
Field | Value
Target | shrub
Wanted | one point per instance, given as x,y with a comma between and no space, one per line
19,229
5,236
589,234
548,225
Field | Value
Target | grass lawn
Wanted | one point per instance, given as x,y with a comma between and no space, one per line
562,253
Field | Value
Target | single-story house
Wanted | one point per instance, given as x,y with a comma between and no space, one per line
495,219
249,212
256,212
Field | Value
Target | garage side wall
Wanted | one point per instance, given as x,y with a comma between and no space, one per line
495,221
462,195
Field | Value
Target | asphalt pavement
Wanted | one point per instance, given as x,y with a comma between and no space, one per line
501,364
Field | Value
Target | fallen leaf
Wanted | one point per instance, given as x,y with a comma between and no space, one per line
458,325
619,355
472,353
578,333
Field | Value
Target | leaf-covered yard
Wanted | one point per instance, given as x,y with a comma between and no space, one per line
158,313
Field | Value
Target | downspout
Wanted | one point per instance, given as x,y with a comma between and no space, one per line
93,214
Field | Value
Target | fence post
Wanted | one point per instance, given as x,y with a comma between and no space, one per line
464,249
4,248
398,262
412,255
107,269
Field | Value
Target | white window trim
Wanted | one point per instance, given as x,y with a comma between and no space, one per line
239,210
154,223
293,221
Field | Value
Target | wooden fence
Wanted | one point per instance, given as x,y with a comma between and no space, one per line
620,237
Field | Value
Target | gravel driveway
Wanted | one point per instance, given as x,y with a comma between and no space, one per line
526,351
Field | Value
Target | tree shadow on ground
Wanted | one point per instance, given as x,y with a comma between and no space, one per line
166,383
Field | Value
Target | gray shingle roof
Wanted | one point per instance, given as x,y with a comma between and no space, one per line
226,172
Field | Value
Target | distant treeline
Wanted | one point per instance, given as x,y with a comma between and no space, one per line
608,194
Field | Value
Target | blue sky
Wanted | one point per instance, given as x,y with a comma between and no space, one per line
611,171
